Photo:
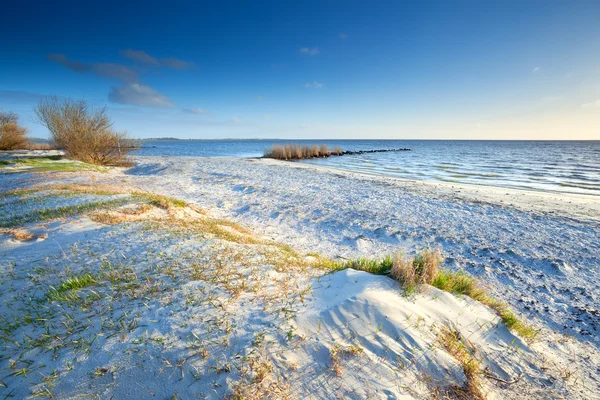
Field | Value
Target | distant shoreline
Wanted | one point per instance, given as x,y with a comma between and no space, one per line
353,140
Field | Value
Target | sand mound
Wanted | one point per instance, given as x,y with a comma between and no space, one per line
363,338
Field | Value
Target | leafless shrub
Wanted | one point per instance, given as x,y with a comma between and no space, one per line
86,134
12,136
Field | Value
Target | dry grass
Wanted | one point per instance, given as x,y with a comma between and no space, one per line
297,152
338,353
459,348
19,234
413,272
109,218
41,146
84,133
137,210
258,383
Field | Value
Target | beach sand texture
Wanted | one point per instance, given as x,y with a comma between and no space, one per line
173,311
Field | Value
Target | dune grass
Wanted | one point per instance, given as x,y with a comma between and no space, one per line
48,164
452,341
47,213
425,269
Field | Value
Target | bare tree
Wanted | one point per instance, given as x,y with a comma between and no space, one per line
7,117
85,133
12,136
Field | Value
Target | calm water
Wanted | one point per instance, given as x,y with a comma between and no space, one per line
572,167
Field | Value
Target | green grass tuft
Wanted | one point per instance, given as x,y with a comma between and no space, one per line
66,290
373,266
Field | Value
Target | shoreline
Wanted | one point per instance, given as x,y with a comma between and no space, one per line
568,204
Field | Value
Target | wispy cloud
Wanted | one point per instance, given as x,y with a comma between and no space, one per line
259,98
145,58
342,36
309,51
72,65
140,56
105,70
315,85
130,91
267,116
535,70
139,95
176,63
593,104
197,111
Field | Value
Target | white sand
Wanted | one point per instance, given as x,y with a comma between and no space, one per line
150,347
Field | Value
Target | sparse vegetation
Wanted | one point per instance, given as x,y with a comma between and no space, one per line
297,152
452,341
425,268
338,353
46,213
86,134
48,164
12,136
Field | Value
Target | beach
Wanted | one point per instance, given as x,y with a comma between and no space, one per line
289,327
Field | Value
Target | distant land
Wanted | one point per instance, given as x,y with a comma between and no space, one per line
206,140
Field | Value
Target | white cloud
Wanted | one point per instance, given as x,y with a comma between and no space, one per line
236,121
315,85
309,51
535,69
139,95
267,116
594,104
342,36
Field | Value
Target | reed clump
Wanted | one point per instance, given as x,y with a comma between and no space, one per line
300,152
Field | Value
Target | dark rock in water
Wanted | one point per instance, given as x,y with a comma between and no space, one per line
350,153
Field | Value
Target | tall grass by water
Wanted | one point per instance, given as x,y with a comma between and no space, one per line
297,152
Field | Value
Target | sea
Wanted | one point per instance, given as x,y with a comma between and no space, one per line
552,166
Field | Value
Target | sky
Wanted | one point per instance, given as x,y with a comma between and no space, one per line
311,69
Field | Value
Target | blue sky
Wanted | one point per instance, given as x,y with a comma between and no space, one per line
337,69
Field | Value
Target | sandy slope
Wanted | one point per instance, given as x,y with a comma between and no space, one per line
539,251
545,264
